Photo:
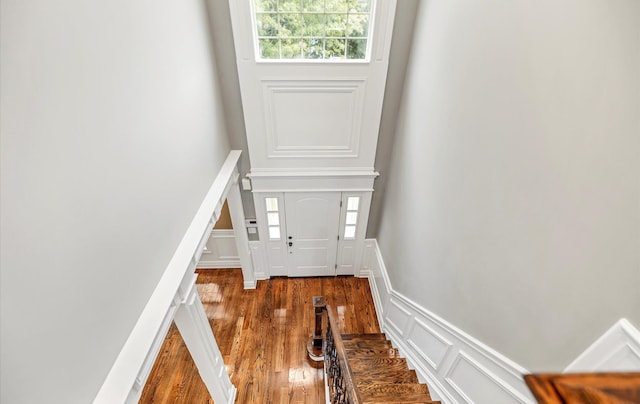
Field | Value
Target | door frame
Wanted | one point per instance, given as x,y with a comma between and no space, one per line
265,252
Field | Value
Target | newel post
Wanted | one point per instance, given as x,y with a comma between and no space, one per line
314,345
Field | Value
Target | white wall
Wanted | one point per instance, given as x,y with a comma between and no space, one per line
112,133
512,207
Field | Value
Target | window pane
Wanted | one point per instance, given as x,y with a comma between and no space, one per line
274,233
270,49
273,219
352,217
350,232
356,48
292,48
336,25
272,204
314,48
360,5
290,25
335,48
289,5
267,24
313,5
352,202
266,5
336,6
314,24
358,25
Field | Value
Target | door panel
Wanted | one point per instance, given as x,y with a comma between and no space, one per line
312,220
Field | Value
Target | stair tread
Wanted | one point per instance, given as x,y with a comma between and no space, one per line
390,393
381,376
401,401
368,336
378,364
373,353
366,344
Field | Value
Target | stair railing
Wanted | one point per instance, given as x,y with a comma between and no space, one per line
339,377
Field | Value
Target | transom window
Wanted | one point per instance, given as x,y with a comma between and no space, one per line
312,29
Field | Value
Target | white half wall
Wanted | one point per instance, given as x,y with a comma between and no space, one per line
457,367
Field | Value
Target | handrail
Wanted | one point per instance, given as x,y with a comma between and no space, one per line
340,379
562,388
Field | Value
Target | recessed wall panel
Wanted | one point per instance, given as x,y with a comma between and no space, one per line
320,118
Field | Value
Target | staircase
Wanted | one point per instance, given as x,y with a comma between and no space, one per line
379,373
362,368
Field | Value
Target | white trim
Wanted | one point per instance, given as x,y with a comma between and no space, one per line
314,172
135,353
260,264
236,211
221,251
617,350
194,327
460,369
145,370
457,367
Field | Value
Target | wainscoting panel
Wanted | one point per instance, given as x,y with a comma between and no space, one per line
457,367
259,260
430,345
221,251
397,316
460,369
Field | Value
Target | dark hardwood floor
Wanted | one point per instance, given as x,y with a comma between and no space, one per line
262,335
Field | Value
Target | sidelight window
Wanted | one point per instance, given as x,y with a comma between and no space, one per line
351,219
312,29
273,218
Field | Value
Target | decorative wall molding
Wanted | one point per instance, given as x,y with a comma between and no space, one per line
312,181
130,368
260,264
617,350
291,105
457,367
220,251
460,369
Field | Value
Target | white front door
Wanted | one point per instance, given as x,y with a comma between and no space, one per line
312,220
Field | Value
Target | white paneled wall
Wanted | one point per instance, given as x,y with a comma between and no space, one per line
460,369
221,251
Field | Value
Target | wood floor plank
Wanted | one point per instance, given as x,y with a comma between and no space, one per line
262,336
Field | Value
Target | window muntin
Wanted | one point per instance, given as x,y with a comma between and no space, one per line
351,217
273,218
312,29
